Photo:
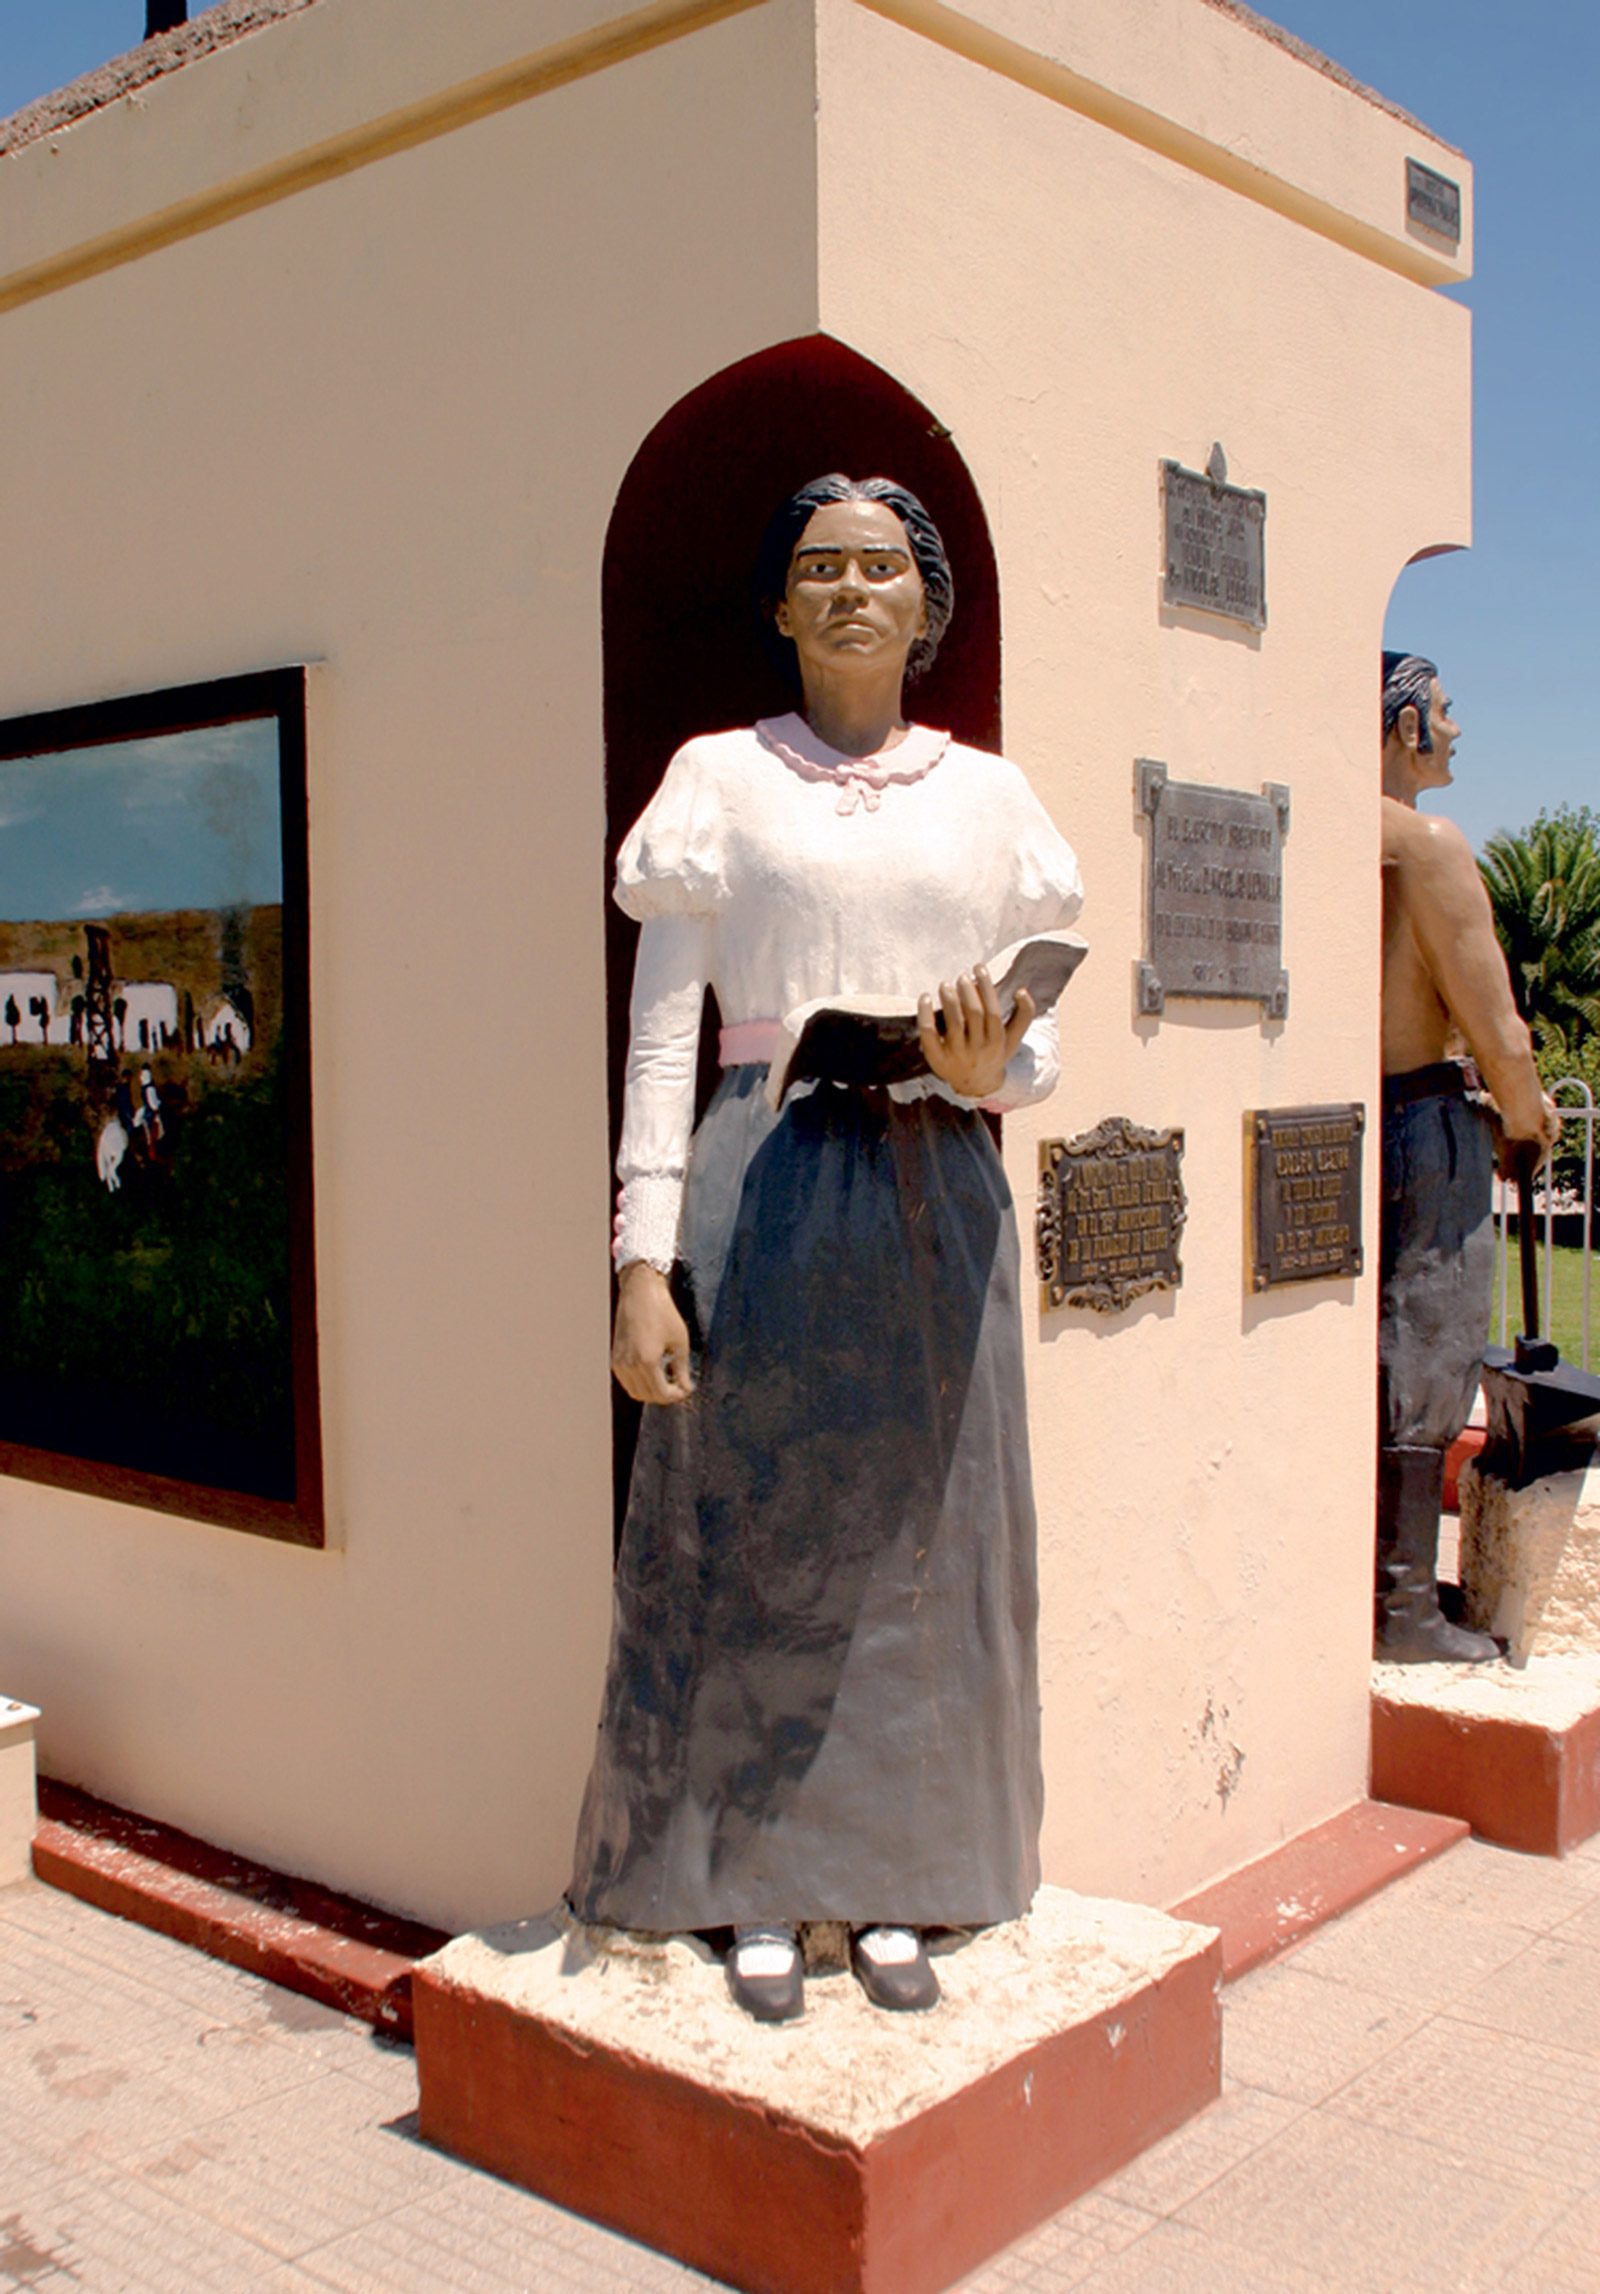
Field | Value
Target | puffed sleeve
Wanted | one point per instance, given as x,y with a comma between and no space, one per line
672,861
1049,889
1047,897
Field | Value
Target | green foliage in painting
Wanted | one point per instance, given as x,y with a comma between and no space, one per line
148,1326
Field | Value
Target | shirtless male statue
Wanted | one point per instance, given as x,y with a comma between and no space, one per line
1444,975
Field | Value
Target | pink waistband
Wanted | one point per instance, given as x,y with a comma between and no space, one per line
751,1041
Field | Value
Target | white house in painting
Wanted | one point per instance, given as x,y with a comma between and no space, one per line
152,1007
223,1024
22,991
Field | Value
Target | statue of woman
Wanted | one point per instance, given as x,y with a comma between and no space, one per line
822,1696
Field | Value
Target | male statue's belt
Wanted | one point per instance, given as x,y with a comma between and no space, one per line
1445,1079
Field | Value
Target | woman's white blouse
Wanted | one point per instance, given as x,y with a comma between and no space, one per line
775,870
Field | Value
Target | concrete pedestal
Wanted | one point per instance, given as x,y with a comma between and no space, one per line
851,2150
1530,1561
1514,1750
18,1804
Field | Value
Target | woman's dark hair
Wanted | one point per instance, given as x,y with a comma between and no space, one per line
790,521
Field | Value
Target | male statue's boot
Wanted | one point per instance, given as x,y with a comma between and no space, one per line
1411,1627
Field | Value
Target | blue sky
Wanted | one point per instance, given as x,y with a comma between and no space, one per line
45,43
187,820
1512,622
1516,84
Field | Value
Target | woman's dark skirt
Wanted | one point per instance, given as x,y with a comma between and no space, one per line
822,1698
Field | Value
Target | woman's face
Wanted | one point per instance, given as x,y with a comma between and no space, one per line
854,593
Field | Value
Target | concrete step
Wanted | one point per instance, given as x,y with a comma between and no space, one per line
306,1937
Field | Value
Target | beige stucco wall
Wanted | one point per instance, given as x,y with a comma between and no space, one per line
379,424
1076,308
363,427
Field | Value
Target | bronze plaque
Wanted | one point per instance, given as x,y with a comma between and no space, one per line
1433,202
1214,899
1111,1213
1216,545
1305,1193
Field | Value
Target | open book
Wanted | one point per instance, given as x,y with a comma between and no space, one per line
874,1039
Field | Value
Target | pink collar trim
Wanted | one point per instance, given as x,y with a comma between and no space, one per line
859,780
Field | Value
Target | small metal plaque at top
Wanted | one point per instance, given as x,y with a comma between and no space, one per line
1305,1193
1111,1213
1433,202
1214,908
1216,545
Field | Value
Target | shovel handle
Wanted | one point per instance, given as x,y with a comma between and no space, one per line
1526,1160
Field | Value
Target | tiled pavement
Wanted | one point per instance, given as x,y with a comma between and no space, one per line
1412,2102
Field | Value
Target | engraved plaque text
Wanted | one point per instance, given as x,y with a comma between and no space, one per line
1433,202
1111,1213
1305,1193
1216,545
1214,913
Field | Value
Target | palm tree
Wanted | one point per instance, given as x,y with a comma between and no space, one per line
1544,888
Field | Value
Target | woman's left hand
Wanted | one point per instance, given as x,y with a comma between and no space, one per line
972,1052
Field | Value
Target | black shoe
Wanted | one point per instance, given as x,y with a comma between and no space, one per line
776,1998
905,1986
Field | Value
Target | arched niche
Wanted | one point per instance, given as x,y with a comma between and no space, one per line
681,643
1418,614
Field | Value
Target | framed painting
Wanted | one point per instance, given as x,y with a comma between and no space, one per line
157,1277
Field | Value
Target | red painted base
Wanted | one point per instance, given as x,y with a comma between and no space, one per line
292,1932
1514,1782
1275,1902
740,2189
1467,1446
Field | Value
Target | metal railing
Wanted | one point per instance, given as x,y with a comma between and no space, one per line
1505,1204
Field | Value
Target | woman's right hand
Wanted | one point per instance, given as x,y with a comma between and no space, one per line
650,1343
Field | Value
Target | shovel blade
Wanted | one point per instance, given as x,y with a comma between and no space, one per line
1531,1415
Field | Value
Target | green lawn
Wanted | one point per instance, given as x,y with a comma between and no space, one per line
1567,1316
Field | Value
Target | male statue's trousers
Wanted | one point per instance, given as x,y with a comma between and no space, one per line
1437,1285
